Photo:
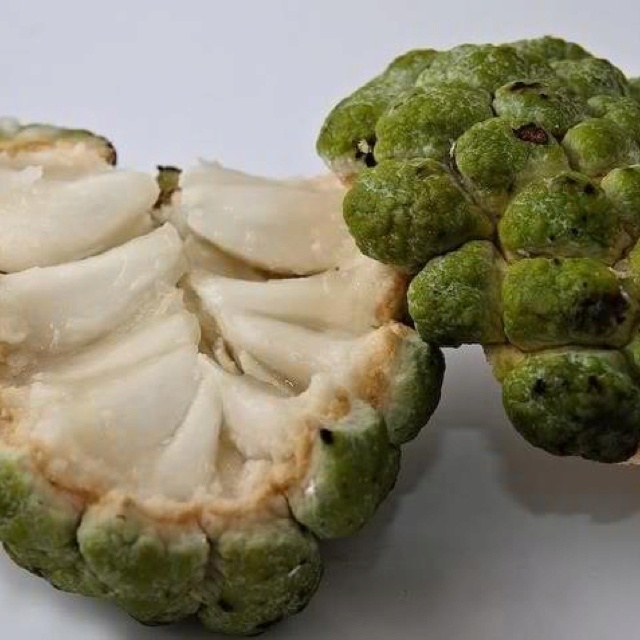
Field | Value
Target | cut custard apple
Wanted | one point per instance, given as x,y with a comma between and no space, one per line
201,376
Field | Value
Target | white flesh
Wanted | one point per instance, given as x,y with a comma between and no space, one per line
47,221
116,396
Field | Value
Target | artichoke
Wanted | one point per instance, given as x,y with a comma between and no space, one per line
505,181
201,376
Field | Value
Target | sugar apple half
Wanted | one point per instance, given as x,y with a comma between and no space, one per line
506,179
200,377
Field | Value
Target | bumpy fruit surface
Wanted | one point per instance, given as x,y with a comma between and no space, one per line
506,180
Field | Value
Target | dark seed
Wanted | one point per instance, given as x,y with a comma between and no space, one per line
539,387
594,384
225,606
326,436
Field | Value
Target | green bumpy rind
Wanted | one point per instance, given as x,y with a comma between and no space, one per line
549,104
265,573
455,299
551,302
590,77
551,48
565,216
38,528
154,573
414,392
554,171
483,67
406,212
240,584
622,187
582,403
347,139
353,468
625,112
497,157
423,123
598,145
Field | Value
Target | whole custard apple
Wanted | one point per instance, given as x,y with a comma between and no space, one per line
200,376
506,181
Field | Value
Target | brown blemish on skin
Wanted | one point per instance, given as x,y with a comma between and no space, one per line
520,85
532,133
602,313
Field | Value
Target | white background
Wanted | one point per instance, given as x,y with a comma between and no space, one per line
484,537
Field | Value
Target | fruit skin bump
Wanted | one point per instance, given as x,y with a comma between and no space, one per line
505,180
201,377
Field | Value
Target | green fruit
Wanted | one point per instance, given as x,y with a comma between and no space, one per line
552,287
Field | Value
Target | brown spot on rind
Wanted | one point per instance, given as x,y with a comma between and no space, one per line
532,133
521,85
601,313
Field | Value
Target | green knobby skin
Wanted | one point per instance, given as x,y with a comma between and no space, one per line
550,48
455,299
564,216
622,187
154,574
625,112
37,136
632,354
38,528
406,212
590,77
266,573
482,66
549,104
496,158
598,145
552,302
415,390
423,123
629,269
347,139
554,169
352,470
581,403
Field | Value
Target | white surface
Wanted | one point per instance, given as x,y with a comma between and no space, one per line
484,538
